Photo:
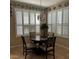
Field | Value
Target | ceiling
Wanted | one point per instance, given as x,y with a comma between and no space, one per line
45,3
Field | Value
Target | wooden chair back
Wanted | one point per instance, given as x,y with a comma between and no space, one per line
24,42
51,41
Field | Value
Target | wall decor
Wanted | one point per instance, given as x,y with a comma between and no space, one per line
11,10
54,8
66,4
27,6
59,5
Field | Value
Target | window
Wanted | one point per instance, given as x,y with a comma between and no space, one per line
19,30
26,17
49,22
19,23
37,19
37,23
32,18
27,21
32,21
37,26
58,22
53,22
66,22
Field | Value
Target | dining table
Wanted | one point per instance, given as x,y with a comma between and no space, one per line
40,42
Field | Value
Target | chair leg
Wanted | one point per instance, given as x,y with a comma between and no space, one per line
23,49
53,54
46,52
53,57
46,56
25,54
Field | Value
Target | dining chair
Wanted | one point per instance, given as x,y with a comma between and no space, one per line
49,46
27,46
